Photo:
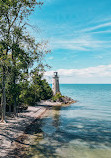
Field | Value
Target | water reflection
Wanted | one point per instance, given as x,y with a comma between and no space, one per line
57,136
56,116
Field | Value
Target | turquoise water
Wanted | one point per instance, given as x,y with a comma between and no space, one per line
81,130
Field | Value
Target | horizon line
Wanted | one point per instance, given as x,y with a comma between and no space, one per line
83,83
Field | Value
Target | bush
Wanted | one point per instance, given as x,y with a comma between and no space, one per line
57,97
38,90
27,92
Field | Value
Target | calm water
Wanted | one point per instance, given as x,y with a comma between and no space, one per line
81,130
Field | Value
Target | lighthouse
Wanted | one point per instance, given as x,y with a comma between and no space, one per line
55,83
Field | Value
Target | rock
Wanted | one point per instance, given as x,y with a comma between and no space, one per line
65,100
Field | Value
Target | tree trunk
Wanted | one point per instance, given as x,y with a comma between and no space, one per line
14,82
10,109
3,99
15,106
14,97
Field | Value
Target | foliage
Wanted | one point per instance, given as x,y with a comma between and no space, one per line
35,90
18,53
57,97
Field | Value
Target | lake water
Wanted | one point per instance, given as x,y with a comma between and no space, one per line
81,130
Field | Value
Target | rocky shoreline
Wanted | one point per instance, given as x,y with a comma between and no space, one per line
12,133
63,101
21,145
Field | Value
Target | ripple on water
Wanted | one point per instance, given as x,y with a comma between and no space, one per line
82,130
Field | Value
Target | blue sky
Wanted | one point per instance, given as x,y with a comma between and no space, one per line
79,34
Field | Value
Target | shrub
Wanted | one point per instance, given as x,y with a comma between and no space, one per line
57,97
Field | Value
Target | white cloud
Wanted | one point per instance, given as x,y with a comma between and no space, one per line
102,32
98,71
99,74
83,43
97,27
50,58
78,37
82,39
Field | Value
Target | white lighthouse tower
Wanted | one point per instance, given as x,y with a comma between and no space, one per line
55,83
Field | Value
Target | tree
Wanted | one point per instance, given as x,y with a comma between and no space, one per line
36,89
5,61
12,25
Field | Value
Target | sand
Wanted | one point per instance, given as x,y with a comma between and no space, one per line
14,127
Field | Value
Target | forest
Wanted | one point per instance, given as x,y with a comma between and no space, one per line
21,59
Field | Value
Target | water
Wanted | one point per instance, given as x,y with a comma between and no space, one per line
81,130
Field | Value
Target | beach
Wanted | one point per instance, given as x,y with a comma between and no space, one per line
80,130
12,133
15,127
